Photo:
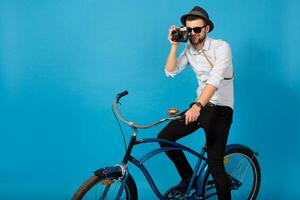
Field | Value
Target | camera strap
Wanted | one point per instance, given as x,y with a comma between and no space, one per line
212,65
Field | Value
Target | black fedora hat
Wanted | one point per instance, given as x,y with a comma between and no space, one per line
201,13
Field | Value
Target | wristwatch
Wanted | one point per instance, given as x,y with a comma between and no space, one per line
199,104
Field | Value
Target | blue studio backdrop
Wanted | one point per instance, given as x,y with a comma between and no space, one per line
63,61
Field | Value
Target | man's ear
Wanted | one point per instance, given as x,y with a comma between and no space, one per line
207,28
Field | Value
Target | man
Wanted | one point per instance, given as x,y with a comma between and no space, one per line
211,61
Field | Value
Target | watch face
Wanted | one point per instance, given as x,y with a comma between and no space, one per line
199,104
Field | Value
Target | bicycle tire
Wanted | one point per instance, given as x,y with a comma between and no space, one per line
250,156
129,188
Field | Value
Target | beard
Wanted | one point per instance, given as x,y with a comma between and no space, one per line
196,40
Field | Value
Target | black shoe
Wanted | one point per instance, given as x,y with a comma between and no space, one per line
183,184
181,188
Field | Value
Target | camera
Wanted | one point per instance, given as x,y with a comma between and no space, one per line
180,34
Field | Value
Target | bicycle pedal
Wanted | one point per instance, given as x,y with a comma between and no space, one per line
175,194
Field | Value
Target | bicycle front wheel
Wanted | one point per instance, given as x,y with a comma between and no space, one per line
243,169
105,188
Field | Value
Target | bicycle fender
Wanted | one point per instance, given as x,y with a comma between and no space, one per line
234,146
113,171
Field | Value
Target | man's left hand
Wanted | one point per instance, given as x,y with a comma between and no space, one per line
192,114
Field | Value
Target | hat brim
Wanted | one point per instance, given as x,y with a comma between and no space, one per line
208,21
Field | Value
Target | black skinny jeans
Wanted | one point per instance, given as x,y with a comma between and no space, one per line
216,122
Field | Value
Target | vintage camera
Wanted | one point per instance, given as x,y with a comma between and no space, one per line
180,34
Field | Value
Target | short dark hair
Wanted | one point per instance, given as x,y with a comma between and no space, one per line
193,17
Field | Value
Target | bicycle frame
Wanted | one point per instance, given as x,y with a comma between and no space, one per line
201,172
139,163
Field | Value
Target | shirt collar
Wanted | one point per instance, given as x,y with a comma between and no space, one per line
206,46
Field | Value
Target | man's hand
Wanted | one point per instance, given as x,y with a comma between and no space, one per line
172,28
171,60
192,114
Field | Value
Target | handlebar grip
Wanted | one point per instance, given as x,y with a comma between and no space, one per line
120,95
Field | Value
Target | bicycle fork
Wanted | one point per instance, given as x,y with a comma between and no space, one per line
123,166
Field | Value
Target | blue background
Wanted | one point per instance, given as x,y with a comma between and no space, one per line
63,61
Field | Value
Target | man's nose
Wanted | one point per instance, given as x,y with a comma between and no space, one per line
192,32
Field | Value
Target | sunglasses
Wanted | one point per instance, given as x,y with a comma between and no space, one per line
196,29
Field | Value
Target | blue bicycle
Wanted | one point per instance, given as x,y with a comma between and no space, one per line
115,182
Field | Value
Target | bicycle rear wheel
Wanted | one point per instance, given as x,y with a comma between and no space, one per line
243,169
105,188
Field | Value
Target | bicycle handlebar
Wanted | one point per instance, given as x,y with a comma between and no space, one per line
132,124
120,95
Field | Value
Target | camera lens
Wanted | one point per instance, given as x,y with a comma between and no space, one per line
175,35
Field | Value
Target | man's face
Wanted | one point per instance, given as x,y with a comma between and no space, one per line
197,38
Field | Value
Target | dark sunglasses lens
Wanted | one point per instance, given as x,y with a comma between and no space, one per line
197,29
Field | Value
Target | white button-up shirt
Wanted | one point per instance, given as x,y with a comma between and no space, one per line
219,54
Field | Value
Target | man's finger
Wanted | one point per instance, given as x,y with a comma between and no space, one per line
187,118
195,116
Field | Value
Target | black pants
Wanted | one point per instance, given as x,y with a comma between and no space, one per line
216,122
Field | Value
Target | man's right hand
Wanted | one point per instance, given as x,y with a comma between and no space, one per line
172,28
171,60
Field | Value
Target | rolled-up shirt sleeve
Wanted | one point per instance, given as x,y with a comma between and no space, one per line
222,63
181,63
